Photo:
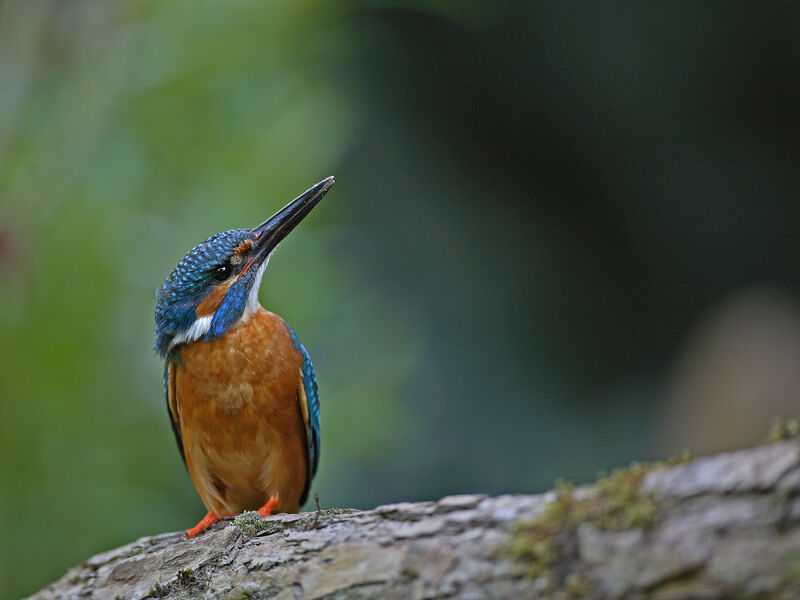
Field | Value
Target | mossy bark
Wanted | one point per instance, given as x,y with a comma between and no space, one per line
716,527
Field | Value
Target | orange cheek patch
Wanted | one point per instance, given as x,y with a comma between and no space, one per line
211,302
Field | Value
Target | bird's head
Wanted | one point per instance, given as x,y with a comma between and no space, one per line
215,286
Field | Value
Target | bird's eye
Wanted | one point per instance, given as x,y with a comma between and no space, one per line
222,272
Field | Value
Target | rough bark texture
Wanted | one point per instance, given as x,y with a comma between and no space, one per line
716,527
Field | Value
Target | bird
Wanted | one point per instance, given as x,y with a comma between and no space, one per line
240,388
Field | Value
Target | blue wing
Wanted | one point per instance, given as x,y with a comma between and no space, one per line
311,397
172,407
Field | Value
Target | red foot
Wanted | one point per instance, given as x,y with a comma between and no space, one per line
268,507
207,521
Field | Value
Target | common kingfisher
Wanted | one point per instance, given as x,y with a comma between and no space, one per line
240,388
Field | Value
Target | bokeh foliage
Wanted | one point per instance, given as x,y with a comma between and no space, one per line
535,202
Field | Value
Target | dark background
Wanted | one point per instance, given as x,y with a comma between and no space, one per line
564,236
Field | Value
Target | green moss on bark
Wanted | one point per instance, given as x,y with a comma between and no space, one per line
614,503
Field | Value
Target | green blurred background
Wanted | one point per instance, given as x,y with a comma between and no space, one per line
563,236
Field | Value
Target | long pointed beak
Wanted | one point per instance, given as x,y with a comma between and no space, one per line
270,233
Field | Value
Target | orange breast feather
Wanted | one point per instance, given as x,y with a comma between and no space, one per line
235,402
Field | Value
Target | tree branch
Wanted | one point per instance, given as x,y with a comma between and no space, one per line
716,527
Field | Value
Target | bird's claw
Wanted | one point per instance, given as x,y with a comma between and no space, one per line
269,506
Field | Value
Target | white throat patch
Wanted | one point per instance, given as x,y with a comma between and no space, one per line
253,305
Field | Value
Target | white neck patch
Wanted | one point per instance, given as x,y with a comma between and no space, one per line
198,329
